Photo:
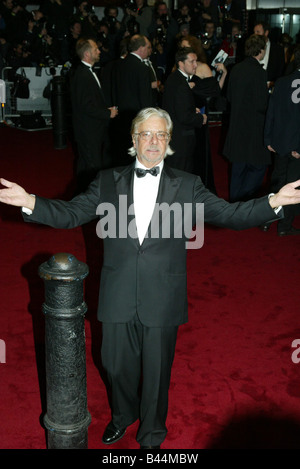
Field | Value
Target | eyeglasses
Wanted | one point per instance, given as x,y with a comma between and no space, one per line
148,135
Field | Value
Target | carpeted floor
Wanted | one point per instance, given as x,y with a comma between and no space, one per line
234,384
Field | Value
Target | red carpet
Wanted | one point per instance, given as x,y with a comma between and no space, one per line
234,384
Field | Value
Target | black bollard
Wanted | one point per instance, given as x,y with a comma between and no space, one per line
67,418
59,113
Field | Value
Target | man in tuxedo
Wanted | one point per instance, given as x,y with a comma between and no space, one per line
273,60
282,137
244,147
131,91
90,115
143,291
179,102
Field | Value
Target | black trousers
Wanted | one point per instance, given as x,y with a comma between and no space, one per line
246,179
92,157
133,354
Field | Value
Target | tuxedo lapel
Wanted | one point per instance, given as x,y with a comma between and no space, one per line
92,80
168,187
124,197
124,182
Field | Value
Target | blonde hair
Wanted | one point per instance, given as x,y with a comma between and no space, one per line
145,114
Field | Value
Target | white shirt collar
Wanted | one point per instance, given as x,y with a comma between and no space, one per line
185,74
137,56
138,164
86,63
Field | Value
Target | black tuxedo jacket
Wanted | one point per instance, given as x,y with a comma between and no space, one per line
282,129
131,88
248,96
276,62
147,279
90,111
131,91
178,100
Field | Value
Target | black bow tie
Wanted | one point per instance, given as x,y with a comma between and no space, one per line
142,172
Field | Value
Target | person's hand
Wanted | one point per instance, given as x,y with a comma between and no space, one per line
191,84
271,148
288,195
204,119
13,194
113,111
220,67
48,39
30,25
295,154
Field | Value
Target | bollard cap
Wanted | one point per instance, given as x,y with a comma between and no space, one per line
63,266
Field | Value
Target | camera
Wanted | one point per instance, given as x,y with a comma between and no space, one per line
182,19
165,20
236,37
204,38
102,38
161,35
90,9
131,5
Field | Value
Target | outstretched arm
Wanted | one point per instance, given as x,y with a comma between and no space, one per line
16,195
288,195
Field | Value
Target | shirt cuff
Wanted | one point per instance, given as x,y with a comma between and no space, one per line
276,209
27,211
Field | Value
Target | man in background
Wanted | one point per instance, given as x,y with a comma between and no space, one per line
282,137
273,60
179,102
90,115
247,94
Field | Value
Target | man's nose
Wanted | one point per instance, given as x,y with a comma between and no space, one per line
154,138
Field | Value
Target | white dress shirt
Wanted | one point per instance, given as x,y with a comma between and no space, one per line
264,62
145,190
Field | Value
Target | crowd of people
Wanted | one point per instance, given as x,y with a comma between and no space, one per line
163,48
48,34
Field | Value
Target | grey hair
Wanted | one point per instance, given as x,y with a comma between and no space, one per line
145,114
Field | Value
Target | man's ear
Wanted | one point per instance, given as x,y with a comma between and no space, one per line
134,140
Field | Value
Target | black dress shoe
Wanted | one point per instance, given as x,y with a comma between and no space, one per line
292,231
112,434
150,447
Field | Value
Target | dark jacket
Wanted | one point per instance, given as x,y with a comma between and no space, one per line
147,279
89,109
248,97
282,130
179,101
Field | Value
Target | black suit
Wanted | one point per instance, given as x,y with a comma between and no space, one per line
276,63
143,290
91,117
179,101
131,91
282,128
244,146
282,132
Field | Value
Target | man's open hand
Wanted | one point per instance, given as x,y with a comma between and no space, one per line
13,194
